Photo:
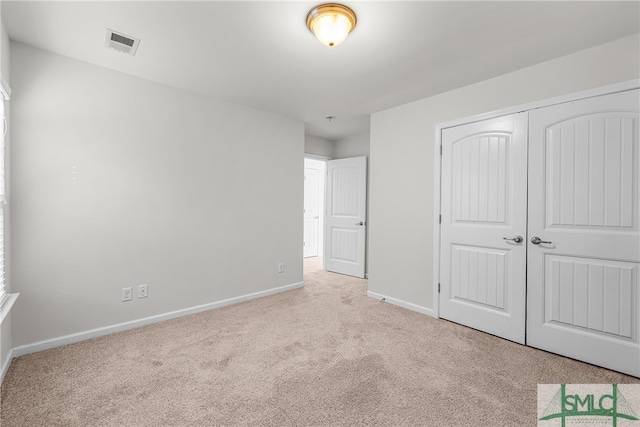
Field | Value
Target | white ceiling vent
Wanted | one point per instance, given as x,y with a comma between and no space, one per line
121,42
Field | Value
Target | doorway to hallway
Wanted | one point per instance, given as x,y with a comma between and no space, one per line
335,213
314,197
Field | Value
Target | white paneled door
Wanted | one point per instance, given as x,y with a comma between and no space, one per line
584,241
484,224
311,211
346,216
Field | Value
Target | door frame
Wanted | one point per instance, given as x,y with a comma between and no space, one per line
323,190
437,150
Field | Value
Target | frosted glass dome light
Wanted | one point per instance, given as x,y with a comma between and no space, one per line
331,23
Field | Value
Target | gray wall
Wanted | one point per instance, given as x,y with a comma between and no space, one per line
318,146
119,181
352,146
402,157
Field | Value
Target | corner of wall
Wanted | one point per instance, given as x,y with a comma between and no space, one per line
319,146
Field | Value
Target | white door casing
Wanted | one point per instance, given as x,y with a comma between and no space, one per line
311,211
346,197
484,188
583,294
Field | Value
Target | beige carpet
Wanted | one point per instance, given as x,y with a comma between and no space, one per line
324,355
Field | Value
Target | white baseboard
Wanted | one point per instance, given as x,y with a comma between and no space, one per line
403,304
107,330
5,365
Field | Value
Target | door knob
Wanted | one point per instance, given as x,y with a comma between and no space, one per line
360,223
536,241
517,239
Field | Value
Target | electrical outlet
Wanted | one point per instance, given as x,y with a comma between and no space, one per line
281,267
126,294
142,291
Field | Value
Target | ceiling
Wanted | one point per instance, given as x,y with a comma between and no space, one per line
260,54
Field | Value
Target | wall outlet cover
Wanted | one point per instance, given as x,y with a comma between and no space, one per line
142,291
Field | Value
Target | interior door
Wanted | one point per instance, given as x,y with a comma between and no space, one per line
483,207
311,211
346,216
584,242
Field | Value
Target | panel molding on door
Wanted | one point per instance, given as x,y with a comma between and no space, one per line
483,207
583,285
346,216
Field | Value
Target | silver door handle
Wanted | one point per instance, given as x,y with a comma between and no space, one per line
536,241
360,223
517,239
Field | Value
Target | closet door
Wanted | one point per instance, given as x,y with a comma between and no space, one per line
583,236
484,214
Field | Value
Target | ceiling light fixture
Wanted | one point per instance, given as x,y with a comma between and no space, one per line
331,23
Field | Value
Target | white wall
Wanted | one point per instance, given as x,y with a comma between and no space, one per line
402,150
119,181
318,146
6,342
